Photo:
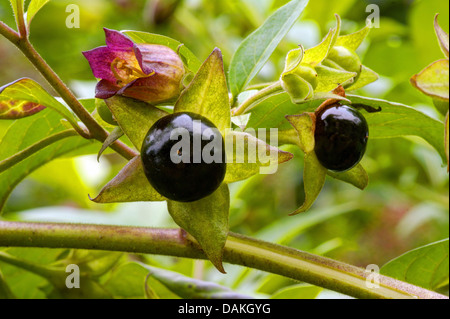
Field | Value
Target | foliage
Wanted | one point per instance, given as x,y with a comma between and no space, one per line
249,66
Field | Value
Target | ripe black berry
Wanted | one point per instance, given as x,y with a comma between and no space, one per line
183,155
341,136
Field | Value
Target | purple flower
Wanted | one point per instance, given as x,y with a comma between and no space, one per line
147,72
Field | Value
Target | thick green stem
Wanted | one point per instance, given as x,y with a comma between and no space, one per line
240,250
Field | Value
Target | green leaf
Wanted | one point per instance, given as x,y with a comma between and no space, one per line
257,48
247,155
433,80
134,117
426,266
23,134
271,112
130,185
397,120
207,94
313,178
190,60
33,8
5,291
189,288
129,279
300,291
207,221
442,36
25,91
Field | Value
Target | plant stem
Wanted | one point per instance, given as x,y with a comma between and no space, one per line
240,250
21,26
95,130
249,103
23,154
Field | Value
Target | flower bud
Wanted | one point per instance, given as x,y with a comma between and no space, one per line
148,72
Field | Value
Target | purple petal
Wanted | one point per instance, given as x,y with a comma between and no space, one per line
117,41
157,58
105,90
100,62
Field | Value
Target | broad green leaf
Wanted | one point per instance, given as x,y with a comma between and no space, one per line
5,291
433,80
271,112
207,94
33,8
25,132
190,60
25,91
397,120
442,36
366,77
25,284
130,185
313,178
129,279
248,155
426,266
285,230
330,78
134,117
300,291
207,221
93,262
257,48
189,288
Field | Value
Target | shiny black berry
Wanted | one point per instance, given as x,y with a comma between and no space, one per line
341,136
184,157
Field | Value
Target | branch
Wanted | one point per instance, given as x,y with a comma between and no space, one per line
239,250
95,129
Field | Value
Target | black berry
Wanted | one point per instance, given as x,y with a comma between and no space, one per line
184,157
341,136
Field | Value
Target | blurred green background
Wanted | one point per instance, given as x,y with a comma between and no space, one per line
406,204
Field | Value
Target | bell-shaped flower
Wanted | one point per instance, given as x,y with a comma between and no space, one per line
147,72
